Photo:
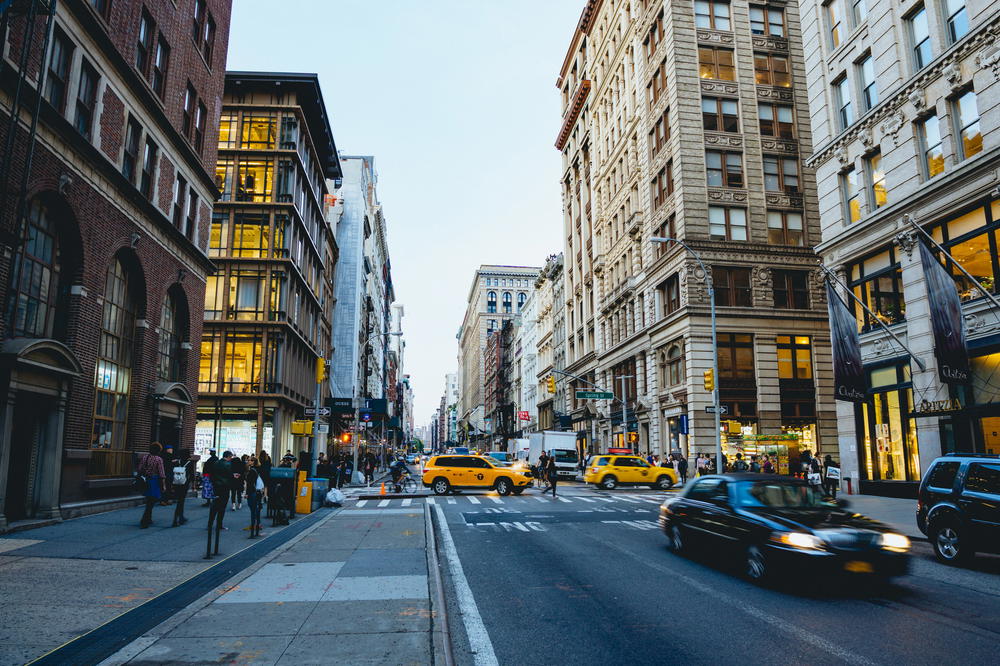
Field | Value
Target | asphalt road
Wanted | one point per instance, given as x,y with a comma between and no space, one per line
583,582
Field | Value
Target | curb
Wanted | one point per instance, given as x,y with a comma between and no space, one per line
440,605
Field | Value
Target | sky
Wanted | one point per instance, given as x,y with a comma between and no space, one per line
456,99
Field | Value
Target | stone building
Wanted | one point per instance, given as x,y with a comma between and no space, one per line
550,337
905,101
689,120
268,306
107,192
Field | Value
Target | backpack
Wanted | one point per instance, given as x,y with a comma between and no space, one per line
739,466
180,475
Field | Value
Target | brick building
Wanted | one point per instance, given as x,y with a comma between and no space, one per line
107,198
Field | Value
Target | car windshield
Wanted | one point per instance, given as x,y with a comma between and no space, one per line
780,495
565,455
499,455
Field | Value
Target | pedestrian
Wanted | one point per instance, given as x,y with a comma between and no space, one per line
183,472
369,469
768,465
222,482
740,465
207,491
150,468
831,476
238,470
754,465
682,468
814,473
699,465
649,459
552,474
543,465
255,487
264,469
167,454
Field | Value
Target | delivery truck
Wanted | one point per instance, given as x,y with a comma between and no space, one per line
561,445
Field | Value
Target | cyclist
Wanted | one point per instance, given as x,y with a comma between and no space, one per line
397,469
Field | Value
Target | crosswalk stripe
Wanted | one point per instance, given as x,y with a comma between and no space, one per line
537,498
431,501
648,501
628,499
606,499
584,499
495,500
474,500
451,500
384,503
361,503
563,499
407,502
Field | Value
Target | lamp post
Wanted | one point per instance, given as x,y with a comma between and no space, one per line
357,399
715,347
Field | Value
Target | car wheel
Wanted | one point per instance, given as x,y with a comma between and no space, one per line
756,564
518,491
503,486
663,483
441,486
675,538
946,538
609,482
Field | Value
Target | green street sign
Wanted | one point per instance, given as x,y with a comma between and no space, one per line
594,395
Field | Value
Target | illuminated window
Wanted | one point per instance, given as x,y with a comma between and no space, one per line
834,22
228,129
241,363
851,194
716,64
876,180
784,228
966,113
251,234
34,281
258,132
794,357
877,281
930,145
772,70
113,376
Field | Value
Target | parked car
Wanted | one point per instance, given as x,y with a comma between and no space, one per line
958,506
609,472
780,526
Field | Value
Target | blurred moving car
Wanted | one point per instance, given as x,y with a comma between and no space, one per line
958,506
501,457
443,474
780,526
609,472
411,458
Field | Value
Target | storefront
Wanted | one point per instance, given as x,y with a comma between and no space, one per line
887,440
237,429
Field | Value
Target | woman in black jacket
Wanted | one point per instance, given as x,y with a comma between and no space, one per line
187,461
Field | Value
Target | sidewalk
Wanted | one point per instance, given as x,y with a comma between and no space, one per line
353,588
901,514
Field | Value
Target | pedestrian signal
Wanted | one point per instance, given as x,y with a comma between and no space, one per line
710,380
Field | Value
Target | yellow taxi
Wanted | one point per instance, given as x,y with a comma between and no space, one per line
610,471
442,474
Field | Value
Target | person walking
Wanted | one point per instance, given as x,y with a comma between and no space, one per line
254,495
740,465
699,465
754,465
814,473
831,476
167,454
239,469
222,482
183,471
682,468
264,469
151,469
207,491
552,474
768,466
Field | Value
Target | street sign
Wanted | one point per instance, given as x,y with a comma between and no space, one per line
594,395
524,416
324,428
340,405
710,409
323,411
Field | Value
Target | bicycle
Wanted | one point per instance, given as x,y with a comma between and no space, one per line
405,484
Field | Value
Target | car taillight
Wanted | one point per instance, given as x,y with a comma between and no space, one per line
593,470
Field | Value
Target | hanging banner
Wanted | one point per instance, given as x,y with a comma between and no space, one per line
946,320
848,374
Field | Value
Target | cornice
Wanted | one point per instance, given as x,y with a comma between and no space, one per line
572,113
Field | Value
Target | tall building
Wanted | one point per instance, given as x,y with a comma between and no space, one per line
451,401
268,305
905,105
497,294
689,120
526,362
108,132
550,342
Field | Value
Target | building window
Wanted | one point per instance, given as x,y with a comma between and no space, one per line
794,357
199,126
259,132
657,84
791,289
57,78
190,99
203,30
720,115
877,281
772,70
859,11
834,22
735,355
675,363
521,298
144,43
169,366
244,179
228,128
930,146
842,93
491,325
507,302
130,157
967,121
669,296
103,7
956,18
653,36
784,228
660,134
146,181
732,286
851,195
191,228
727,223
869,90
716,64
711,14
34,285
767,21
724,169
876,180
971,240
662,186
161,63
781,175
920,37
242,363
86,100
114,358
776,120
889,446
179,209
251,234
491,302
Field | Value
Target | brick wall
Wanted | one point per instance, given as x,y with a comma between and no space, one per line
112,124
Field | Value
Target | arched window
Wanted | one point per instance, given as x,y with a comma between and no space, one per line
33,308
521,298
169,366
113,379
491,302
508,303
674,363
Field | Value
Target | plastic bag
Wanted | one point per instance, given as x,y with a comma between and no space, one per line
334,497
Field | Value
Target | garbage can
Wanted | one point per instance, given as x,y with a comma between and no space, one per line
319,488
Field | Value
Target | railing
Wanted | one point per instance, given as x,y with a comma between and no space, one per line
110,462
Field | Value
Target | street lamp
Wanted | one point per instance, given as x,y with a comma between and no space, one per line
715,347
357,401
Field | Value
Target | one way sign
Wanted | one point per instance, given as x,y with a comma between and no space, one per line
323,411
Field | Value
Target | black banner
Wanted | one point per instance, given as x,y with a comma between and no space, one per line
848,374
946,320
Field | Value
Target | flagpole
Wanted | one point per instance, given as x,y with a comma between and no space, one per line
832,276
986,292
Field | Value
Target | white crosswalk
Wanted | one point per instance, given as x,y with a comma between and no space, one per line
634,500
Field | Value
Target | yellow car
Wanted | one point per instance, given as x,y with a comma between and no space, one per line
443,474
610,471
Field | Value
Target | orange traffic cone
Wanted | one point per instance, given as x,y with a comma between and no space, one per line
382,492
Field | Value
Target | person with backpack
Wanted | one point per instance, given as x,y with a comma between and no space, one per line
255,487
182,474
150,470
740,465
754,465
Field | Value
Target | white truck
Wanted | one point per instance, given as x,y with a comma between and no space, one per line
562,445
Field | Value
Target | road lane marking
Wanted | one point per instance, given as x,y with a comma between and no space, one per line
563,499
495,500
361,503
407,502
583,499
474,500
431,501
628,499
606,499
475,630
384,503
540,499
451,500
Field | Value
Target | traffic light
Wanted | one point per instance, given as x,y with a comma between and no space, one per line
302,427
320,370
346,438
709,380
551,384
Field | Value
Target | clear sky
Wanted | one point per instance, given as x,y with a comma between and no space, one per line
456,100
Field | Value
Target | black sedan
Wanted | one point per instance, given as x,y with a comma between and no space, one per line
780,527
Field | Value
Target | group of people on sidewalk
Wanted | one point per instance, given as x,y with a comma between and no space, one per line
823,474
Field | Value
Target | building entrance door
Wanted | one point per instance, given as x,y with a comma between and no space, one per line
29,429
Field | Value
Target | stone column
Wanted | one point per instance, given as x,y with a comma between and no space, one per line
6,424
50,460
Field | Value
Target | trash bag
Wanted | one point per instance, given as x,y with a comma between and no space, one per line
334,497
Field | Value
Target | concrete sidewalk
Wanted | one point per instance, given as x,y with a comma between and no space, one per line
352,589
901,514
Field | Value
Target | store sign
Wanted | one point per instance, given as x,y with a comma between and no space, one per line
849,381
935,407
524,416
946,320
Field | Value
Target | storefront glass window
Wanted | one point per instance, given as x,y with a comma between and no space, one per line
890,435
971,240
232,429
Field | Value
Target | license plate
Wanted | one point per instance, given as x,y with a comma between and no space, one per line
856,566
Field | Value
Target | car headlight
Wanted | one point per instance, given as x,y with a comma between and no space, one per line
897,543
799,540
